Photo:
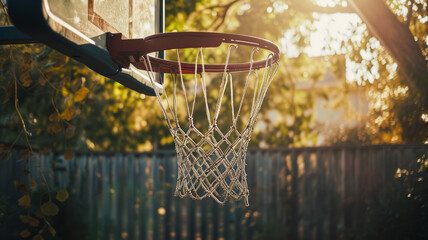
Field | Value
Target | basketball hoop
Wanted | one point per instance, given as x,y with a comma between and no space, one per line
211,162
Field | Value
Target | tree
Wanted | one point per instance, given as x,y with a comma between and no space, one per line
396,37
400,29
49,101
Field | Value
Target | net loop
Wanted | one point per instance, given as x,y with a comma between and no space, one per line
211,163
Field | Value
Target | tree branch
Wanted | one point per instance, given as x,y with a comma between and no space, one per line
223,15
220,18
397,39
308,7
409,12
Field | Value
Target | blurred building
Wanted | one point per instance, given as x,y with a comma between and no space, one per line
338,104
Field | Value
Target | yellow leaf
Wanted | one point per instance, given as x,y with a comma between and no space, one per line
49,209
45,151
54,117
64,91
26,79
38,237
67,114
33,183
25,233
26,57
24,153
69,154
39,213
81,94
77,84
42,81
20,187
57,59
69,132
24,67
52,230
54,128
34,222
25,201
62,195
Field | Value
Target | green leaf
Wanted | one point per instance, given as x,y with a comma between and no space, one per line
49,209
25,201
62,195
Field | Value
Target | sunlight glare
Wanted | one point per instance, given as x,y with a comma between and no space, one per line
326,3
331,30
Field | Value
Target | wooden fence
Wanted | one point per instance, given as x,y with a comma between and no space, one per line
304,193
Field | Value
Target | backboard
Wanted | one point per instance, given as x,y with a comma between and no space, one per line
78,28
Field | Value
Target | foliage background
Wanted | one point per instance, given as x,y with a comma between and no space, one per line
51,102
110,117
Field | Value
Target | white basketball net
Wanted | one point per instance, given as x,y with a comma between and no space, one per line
212,163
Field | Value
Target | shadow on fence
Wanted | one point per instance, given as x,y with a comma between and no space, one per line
305,193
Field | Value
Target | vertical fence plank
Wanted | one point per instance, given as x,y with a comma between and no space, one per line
307,199
321,193
105,208
349,206
294,201
167,187
215,221
143,197
204,219
191,220
155,196
333,196
178,203
238,218
226,221
130,196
